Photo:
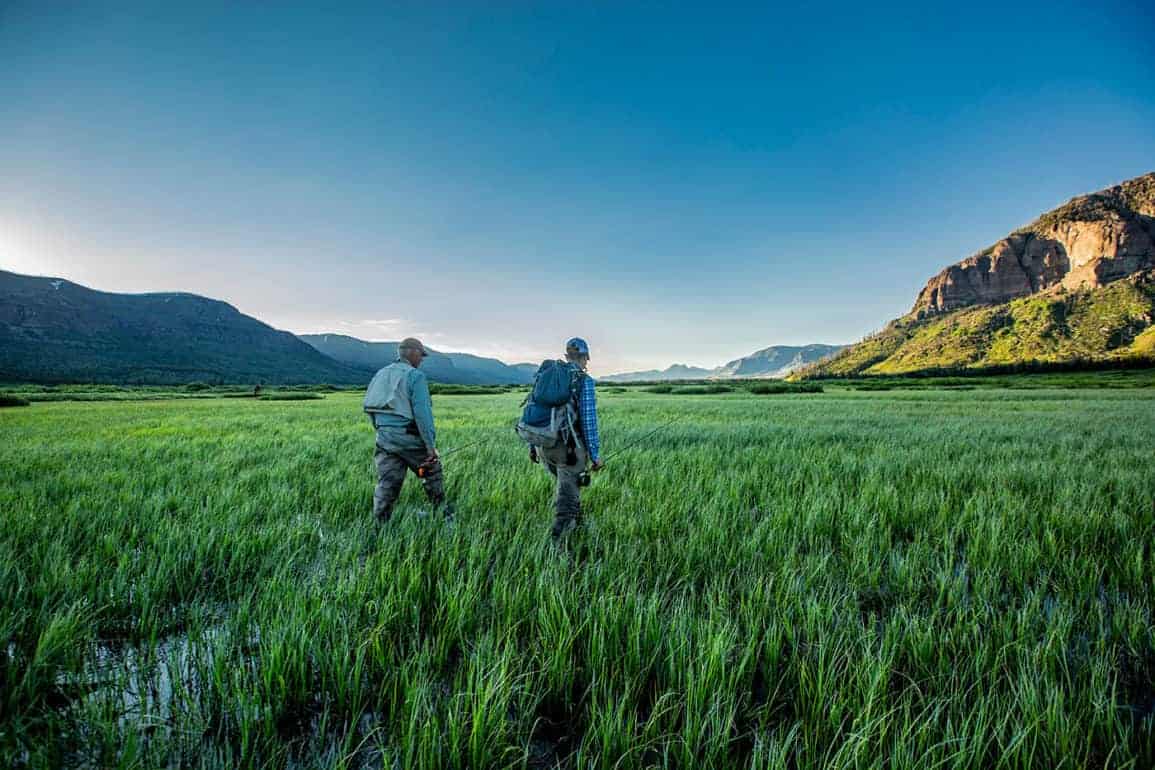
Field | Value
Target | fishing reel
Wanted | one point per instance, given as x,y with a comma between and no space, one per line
584,479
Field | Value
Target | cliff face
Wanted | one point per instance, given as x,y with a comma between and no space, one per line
1076,285
1089,242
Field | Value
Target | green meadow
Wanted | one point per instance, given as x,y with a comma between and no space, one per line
927,578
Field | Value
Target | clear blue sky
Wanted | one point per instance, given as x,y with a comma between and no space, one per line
675,184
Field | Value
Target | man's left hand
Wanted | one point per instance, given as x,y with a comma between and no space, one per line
597,465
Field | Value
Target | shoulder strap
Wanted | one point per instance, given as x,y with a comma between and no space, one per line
577,379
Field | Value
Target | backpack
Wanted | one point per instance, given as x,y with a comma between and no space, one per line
547,419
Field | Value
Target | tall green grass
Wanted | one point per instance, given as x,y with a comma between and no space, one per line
846,580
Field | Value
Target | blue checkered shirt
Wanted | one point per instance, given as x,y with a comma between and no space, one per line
588,411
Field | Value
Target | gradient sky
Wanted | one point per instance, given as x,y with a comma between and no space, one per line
673,182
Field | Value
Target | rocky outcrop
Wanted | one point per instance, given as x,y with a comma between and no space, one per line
1089,242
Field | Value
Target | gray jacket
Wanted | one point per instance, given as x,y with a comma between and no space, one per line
398,402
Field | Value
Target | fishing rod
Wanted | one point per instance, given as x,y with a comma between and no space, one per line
584,476
637,441
466,446
424,467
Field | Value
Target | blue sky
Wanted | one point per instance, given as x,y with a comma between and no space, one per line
679,182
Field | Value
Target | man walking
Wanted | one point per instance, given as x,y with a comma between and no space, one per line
398,404
578,441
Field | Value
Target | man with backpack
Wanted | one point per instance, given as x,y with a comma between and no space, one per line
560,424
398,404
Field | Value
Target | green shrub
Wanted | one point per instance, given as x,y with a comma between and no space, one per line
75,396
446,389
777,387
292,396
702,390
659,389
196,387
6,400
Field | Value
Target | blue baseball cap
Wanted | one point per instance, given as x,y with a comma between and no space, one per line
577,346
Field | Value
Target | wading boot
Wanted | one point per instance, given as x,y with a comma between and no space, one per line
563,525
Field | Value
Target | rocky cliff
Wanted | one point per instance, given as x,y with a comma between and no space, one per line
1077,285
1089,242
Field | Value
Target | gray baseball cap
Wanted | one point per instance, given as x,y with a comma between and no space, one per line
412,343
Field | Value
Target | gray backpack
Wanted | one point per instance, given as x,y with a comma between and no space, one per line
547,419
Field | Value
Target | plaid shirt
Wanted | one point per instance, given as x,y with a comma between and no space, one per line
588,411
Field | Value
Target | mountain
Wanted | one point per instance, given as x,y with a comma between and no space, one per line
1075,285
774,361
1089,242
674,372
455,368
52,330
490,371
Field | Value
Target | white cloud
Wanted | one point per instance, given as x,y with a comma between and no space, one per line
387,325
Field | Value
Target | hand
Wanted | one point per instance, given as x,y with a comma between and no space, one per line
432,457
533,454
597,465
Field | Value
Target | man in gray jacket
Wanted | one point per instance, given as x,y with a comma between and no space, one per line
398,403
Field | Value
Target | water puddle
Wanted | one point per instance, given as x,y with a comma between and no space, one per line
144,685
161,691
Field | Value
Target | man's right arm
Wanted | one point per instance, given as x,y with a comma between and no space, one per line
588,411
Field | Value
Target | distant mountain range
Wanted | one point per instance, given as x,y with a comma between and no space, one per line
458,368
776,361
1075,285
53,330
674,372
